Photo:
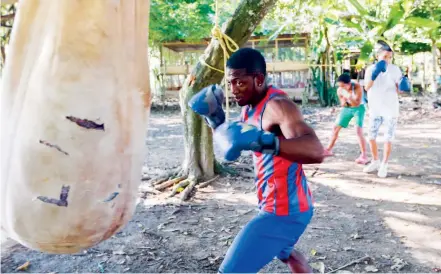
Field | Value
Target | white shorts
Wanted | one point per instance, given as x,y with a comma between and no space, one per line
374,126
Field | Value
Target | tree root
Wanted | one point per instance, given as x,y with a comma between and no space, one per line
182,183
169,183
179,187
186,192
165,177
187,185
206,183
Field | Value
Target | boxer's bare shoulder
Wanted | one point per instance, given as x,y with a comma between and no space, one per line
282,112
300,143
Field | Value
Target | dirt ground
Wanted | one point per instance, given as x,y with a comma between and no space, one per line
383,225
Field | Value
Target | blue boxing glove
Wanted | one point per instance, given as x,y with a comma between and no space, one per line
236,136
405,85
208,103
378,68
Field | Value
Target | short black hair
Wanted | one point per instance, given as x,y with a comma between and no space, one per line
345,78
383,46
249,59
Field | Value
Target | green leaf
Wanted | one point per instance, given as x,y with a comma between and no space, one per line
395,15
435,33
331,21
366,51
358,7
419,22
339,56
407,5
319,42
375,32
351,39
277,32
332,16
348,23
372,19
414,47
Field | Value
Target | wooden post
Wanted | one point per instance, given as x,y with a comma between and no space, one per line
423,82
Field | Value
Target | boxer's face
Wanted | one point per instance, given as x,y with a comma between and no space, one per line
386,56
343,85
243,86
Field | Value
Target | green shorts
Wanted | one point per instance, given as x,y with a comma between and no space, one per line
347,113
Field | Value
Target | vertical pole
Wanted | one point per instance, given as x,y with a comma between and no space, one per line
423,82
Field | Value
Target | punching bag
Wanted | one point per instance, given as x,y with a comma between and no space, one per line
75,103
405,85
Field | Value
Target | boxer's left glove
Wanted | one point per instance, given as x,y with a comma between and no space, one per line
208,104
235,137
379,67
405,85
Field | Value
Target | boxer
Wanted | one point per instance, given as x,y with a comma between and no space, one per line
382,84
350,96
272,127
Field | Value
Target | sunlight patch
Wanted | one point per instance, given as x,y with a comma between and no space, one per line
424,240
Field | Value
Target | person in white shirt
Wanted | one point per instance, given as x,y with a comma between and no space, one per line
382,80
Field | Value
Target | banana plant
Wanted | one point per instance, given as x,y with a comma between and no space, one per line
425,23
376,22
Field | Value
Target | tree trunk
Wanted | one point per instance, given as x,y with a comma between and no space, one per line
435,65
327,69
6,34
323,76
423,82
199,160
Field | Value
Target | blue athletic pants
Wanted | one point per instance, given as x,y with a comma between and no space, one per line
266,236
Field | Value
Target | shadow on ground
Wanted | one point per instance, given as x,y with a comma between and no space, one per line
394,221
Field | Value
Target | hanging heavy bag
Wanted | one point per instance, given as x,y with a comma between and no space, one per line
75,102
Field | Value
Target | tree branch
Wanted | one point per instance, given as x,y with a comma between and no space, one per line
9,2
7,17
5,26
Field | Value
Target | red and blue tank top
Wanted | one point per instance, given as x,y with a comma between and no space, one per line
282,187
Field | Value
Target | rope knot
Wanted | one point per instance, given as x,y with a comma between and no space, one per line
227,44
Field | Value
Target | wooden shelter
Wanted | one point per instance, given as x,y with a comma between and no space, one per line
286,56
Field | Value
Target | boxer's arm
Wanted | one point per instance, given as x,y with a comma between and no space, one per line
358,94
367,79
398,77
343,101
301,144
369,84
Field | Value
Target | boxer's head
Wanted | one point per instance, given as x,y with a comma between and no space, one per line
246,75
384,52
344,81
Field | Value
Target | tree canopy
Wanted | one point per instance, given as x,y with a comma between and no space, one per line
405,24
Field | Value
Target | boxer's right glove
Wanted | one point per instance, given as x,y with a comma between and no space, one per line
378,68
208,104
235,137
